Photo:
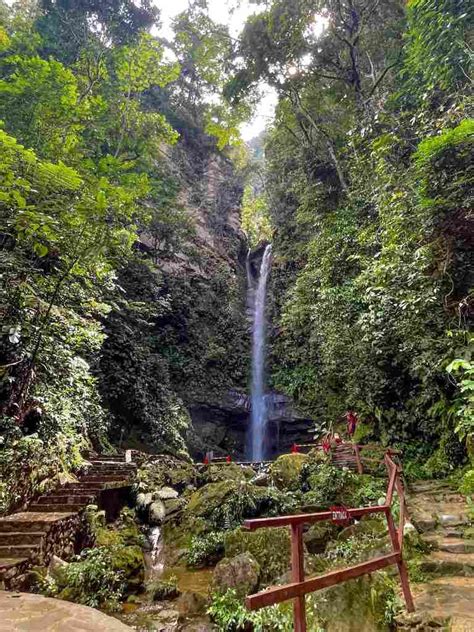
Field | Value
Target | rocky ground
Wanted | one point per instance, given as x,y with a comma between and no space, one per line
179,561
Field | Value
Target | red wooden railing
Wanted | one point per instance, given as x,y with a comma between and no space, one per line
301,586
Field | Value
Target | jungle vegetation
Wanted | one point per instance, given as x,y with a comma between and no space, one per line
363,182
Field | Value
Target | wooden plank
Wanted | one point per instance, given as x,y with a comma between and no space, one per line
282,521
278,594
297,574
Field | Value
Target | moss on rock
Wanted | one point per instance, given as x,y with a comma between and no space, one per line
270,547
227,472
285,471
240,573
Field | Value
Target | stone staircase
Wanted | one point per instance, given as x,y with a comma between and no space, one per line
441,515
52,524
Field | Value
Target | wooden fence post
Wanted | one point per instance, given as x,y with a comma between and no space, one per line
360,467
402,569
297,570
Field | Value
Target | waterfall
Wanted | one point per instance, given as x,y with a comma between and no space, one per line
259,407
156,541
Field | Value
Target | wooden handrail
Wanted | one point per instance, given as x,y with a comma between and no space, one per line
299,589
301,586
307,518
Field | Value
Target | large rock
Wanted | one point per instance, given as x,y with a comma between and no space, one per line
285,471
269,547
165,494
240,573
156,513
143,500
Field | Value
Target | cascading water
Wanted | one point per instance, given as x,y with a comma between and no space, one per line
258,403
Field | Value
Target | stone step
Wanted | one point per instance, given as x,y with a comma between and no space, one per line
82,487
118,464
118,458
65,499
79,490
103,478
18,550
21,537
451,545
123,471
28,521
426,487
53,508
428,521
443,563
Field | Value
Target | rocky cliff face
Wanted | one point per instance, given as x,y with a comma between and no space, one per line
178,340
175,365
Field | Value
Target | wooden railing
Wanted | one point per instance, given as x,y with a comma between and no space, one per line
300,586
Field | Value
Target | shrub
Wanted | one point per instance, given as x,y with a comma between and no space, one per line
467,483
163,589
229,613
92,580
205,550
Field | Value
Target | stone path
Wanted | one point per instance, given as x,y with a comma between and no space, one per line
49,524
25,612
440,514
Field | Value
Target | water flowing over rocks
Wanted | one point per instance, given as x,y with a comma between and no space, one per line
223,426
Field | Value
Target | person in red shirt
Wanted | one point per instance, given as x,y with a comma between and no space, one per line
351,418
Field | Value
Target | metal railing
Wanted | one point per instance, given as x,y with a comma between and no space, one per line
300,586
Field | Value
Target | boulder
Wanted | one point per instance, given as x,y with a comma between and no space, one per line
240,573
173,507
156,513
269,547
318,535
56,567
285,471
143,500
190,604
165,493
261,480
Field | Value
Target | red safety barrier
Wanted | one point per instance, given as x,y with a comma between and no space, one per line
301,586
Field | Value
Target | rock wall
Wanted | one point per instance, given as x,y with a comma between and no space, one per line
178,340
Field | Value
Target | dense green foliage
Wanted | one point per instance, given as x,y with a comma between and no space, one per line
110,303
103,575
369,181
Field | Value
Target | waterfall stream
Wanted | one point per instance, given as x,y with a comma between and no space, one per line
156,541
259,406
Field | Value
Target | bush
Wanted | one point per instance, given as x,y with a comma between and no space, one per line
92,580
205,550
164,589
467,483
229,613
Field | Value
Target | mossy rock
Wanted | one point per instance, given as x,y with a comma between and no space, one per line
240,573
365,604
366,526
130,560
285,471
227,472
205,500
168,471
318,536
270,547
